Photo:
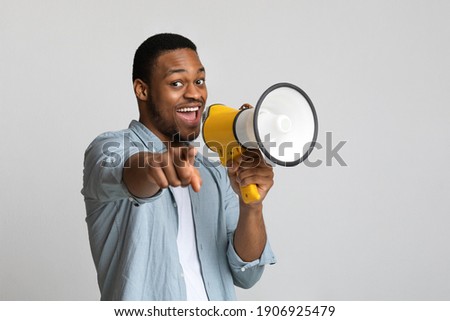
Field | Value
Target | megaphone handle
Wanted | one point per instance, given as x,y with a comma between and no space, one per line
250,192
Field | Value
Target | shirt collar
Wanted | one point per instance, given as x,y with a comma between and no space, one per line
148,138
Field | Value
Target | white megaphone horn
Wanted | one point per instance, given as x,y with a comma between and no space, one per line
283,126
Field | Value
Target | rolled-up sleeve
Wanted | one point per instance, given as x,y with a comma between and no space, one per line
246,274
103,169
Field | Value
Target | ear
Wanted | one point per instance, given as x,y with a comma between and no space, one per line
140,89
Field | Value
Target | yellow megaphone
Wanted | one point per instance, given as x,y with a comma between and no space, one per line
283,126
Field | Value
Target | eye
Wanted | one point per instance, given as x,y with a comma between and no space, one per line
200,82
176,84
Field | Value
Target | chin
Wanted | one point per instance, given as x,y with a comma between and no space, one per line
188,136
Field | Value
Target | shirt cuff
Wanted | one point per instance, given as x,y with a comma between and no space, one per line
236,263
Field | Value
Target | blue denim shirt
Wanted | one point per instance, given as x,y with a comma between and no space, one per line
133,240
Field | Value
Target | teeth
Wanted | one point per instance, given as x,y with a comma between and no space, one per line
187,109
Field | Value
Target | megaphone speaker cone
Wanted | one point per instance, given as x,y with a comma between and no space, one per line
285,124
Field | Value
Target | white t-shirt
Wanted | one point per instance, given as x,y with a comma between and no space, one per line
187,247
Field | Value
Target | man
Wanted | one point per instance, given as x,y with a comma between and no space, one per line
165,223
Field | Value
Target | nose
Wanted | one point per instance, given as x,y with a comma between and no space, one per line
193,92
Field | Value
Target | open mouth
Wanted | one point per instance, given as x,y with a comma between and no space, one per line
189,114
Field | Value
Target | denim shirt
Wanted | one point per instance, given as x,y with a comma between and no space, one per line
133,240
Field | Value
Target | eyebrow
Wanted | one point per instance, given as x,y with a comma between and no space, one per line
174,71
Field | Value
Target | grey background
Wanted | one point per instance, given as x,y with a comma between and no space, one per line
377,72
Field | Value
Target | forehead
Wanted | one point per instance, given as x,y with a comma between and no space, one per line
177,60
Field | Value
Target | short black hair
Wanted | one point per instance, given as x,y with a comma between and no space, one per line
152,48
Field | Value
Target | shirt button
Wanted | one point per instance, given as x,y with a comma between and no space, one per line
243,269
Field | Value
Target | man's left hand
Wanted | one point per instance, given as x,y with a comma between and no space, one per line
251,168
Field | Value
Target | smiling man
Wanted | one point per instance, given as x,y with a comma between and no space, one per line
165,223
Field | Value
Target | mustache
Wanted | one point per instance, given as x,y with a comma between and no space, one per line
190,101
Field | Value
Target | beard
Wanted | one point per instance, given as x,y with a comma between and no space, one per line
166,127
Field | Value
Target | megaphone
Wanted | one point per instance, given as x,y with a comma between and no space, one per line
283,126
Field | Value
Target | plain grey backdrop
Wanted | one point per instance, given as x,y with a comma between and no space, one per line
377,72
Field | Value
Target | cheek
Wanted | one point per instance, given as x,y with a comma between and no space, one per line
169,98
165,102
167,108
